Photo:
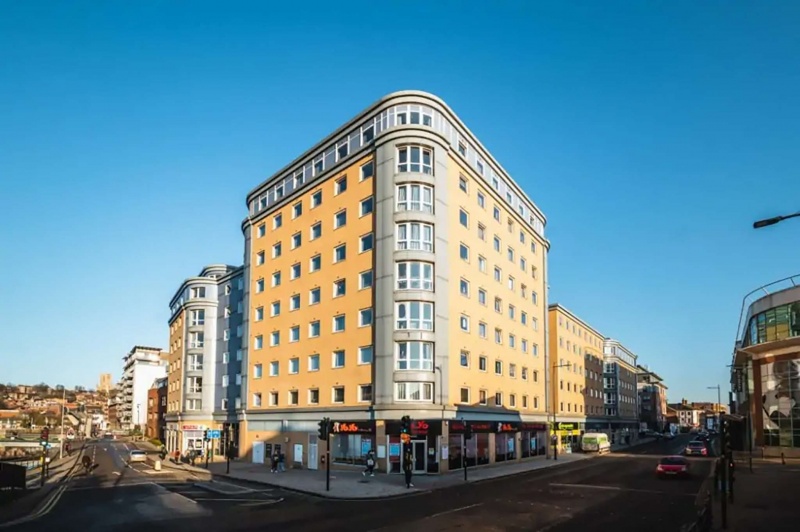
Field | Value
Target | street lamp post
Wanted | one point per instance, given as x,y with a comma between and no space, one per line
775,219
63,408
555,418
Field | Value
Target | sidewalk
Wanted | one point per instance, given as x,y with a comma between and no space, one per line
57,469
766,499
351,484
168,463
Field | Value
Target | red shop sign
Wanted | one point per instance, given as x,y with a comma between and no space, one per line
419,428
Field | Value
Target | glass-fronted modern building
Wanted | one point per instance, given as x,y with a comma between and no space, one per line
765,375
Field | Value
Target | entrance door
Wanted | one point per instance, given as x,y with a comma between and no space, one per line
313,456
419,449
258,452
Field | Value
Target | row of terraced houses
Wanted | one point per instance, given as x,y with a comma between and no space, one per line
394,269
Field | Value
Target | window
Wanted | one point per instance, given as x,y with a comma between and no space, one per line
415,159
498,399
414,315
316,231
260,256
273,398
414,276
338,394
462,148
293,397
275,338
414,356
340,186
463,252
482,329
274,368
365,317
314,296
367,170
313,396
313,329
365,280
510,254
365,393
275,308
481,200
259,314
339,287
276,279
534,297
414,391
259,342
482,397
315,263
313,362
463,287
262,230
482,263
198,292
512,371
496,213
196,340
464,323
512,400
415,236
365,354
498,367
366,206
316,199
524,374
479,165
258,371
297,239
462,183
223,403
294,302
498,336
294,366
498,274
297,209
338,323
340,253
498,304
482,232
338,359
294,334
496,243
256,399
482,363
415,198
340,219
365,243
523,264
277,221
226,334
198,317
482,296
463,218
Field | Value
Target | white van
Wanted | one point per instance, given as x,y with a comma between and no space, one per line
595,442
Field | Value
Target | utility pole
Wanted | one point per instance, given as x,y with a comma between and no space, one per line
63,409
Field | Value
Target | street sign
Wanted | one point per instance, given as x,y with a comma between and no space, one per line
214,434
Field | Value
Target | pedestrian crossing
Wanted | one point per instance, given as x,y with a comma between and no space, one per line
244,497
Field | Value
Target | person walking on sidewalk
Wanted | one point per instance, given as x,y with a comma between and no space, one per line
282,462
274,463
408,465
370,464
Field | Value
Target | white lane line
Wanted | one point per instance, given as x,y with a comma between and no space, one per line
274,501
617,488
239,500
454,510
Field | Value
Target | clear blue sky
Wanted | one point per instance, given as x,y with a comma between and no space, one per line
651,134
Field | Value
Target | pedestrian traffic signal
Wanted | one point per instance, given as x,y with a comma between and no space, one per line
405,425
45,435
324,428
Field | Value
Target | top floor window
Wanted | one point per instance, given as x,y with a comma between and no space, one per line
415,159
198,292
415,198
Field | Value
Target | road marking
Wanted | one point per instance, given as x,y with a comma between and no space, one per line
177,493
273,501
617,488
234,500
454,510
116,473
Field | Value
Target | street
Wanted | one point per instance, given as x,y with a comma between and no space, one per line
618,490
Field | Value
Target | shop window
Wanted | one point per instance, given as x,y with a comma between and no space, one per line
351,448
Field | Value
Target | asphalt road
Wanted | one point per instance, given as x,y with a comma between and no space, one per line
618,490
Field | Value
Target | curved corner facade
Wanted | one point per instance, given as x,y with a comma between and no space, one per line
395,269
766,371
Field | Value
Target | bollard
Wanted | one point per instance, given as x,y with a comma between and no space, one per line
157,465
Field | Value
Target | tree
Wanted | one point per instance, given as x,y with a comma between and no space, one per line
79,388
3,405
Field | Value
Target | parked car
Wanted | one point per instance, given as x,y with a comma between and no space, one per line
137,456
673,466
696,448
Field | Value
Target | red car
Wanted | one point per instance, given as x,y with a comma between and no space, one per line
673,466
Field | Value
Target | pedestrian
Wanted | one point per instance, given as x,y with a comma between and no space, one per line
408,464
370,464
274,463
282,462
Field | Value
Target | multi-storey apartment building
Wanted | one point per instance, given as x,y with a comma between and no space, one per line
205,358
395,269
621,396
157,409
576,375
652,399
141,366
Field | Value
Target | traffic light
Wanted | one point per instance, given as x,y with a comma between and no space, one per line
405,425
205,435
45,435
467,431
324,428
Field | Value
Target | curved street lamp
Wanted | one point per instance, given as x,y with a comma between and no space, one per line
775,219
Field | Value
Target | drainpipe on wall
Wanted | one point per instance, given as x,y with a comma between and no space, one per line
547,383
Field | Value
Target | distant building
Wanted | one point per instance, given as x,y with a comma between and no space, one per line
652,399
689,417
142,365
157,409
104,384
621,395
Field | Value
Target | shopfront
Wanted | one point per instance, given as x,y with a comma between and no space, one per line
505,441
192,439
568,436
533,439
351,441
424,444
